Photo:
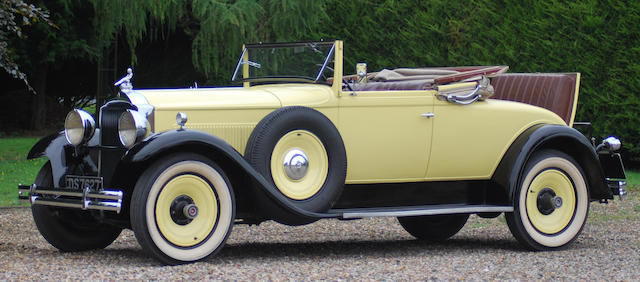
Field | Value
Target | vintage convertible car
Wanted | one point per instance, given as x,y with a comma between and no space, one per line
301,141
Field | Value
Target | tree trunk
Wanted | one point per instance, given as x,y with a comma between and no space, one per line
39,105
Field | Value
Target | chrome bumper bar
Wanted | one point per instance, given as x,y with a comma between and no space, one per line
618,187
87,199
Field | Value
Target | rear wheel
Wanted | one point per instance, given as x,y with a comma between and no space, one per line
70,230
551,204
433,228
182,209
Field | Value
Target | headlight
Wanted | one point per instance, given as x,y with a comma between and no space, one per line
132,127
78,127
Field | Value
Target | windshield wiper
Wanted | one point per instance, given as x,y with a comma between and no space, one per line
253,64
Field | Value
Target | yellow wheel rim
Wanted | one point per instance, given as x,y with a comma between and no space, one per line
318,164
559,218
203,197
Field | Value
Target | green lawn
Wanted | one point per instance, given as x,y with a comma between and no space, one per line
15,168
633,179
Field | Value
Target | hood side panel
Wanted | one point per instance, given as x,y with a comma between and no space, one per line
228,113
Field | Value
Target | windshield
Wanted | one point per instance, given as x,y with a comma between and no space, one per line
296,62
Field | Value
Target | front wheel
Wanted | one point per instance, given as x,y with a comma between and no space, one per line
551,204
182,209
70,230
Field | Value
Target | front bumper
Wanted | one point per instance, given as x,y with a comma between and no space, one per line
86,199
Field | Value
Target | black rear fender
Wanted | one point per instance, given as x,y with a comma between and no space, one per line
558,137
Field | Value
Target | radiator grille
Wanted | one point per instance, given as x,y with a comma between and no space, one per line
109,115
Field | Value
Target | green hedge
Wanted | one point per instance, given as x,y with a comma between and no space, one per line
600,39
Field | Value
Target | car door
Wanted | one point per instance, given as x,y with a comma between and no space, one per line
387,134
469,140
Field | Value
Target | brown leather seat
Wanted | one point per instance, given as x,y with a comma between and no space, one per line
553,91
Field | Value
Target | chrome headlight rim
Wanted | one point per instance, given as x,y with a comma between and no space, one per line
79,127
133,126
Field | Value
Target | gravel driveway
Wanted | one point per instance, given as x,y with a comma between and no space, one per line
368,249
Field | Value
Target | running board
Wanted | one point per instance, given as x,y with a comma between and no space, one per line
417,210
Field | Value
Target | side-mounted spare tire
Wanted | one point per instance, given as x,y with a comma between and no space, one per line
300,151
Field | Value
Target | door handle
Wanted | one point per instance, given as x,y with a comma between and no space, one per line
428,115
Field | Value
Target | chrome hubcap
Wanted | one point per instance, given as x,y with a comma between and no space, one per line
190,211
548,201
296,164
183,210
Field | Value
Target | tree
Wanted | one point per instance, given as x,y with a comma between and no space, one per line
45,49
218,28
9,25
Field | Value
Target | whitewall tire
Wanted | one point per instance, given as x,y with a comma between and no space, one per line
182,209
551,204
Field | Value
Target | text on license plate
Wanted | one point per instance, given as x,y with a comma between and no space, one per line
81,182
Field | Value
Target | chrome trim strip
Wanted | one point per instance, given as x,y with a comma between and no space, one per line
427,211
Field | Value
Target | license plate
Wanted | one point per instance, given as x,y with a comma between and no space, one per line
80,182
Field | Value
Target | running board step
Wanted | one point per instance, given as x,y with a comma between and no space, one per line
417,210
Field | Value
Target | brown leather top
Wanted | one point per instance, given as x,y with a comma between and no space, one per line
420,78
553,91
469,74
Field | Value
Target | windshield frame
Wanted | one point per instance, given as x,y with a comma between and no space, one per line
238,76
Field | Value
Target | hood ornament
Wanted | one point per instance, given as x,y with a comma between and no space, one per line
125,82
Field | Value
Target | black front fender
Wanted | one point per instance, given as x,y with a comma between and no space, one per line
53,148
40,148
164,143
62,155
562,138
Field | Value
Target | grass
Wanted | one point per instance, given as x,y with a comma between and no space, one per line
15,168
633,179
